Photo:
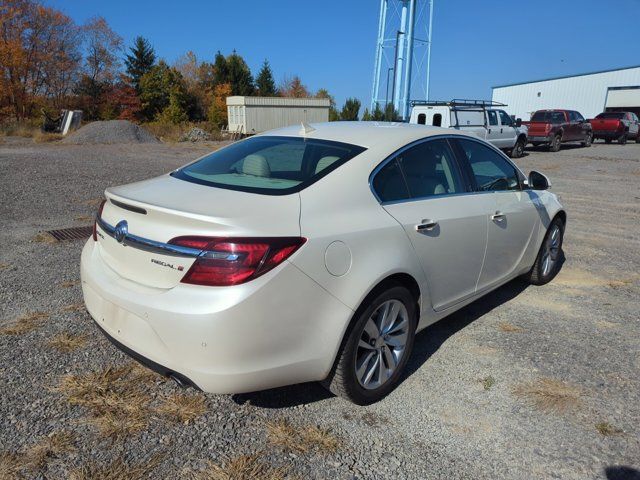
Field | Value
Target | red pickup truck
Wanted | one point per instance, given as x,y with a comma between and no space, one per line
619,126
555,127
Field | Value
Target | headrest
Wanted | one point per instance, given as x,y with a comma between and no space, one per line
324,162
256,165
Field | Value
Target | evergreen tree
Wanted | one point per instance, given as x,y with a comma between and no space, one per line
220,70
265,85
377,115
390,113
350,109
140,61
366,116
239,75
159,88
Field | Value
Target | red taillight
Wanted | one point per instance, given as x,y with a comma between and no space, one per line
95,222
230,261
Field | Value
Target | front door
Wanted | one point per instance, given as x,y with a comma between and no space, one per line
513,219
423,189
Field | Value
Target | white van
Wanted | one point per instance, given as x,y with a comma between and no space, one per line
478,116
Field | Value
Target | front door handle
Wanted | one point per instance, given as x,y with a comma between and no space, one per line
426,225
498,216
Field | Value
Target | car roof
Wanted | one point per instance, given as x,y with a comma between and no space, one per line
365,134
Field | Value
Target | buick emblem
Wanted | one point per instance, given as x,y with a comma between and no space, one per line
121,230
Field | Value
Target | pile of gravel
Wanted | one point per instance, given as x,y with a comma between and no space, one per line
112,131
195,135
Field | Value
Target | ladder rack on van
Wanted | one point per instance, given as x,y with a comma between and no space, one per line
458,102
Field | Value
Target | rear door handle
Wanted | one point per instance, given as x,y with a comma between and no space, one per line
426,225
498,216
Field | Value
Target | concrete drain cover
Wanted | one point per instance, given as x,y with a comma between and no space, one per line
73,233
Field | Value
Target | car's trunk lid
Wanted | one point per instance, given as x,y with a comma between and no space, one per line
165,207
605,124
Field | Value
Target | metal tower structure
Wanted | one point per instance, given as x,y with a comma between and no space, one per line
403,54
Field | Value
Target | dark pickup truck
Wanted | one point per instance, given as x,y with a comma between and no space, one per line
619,126
555,127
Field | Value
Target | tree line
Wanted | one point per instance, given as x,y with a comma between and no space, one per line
48,62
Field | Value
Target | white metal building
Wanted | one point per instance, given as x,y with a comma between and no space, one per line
589,93
250,115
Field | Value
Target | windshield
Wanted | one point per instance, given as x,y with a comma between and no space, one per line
611,115
548,117
269,165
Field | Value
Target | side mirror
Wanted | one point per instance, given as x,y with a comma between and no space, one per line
538,181
518,122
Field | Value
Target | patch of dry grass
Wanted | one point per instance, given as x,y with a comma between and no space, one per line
549,394
44,237
625,282
26,129
92,202
45,137
119,469
301,439
70,283
607,430
118,404
4,265
183,408
84,218
244,467
32,461
67,342
509,328
25,324
74,307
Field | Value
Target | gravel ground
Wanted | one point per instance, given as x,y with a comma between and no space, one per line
530,382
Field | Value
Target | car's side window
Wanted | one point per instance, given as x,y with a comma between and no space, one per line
493,117
579,117
505,119
491,171
557,117
389,183
429,169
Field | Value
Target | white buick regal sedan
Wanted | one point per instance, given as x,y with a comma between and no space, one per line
313,253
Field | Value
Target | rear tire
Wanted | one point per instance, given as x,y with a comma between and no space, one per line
518,149
638,137
367,350
554,146
622,139
549,259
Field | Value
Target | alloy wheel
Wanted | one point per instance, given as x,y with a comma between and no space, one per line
382,344
551,250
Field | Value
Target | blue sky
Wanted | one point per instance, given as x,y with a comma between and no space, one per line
331,43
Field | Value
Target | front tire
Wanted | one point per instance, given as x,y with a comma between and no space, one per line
588,140
518,149
549,259
376,347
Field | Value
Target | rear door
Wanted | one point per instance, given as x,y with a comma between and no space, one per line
423,188
513,220
493,128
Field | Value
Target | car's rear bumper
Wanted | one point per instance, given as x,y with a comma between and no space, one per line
607,133
279,329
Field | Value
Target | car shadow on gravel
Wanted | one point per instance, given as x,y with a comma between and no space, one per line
617,472
431,338
426,344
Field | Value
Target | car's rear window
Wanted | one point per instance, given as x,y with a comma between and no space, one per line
548,117
611,115
269,165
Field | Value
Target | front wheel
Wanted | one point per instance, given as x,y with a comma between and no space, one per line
549,259
376,348
588,140
555,144
518,149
